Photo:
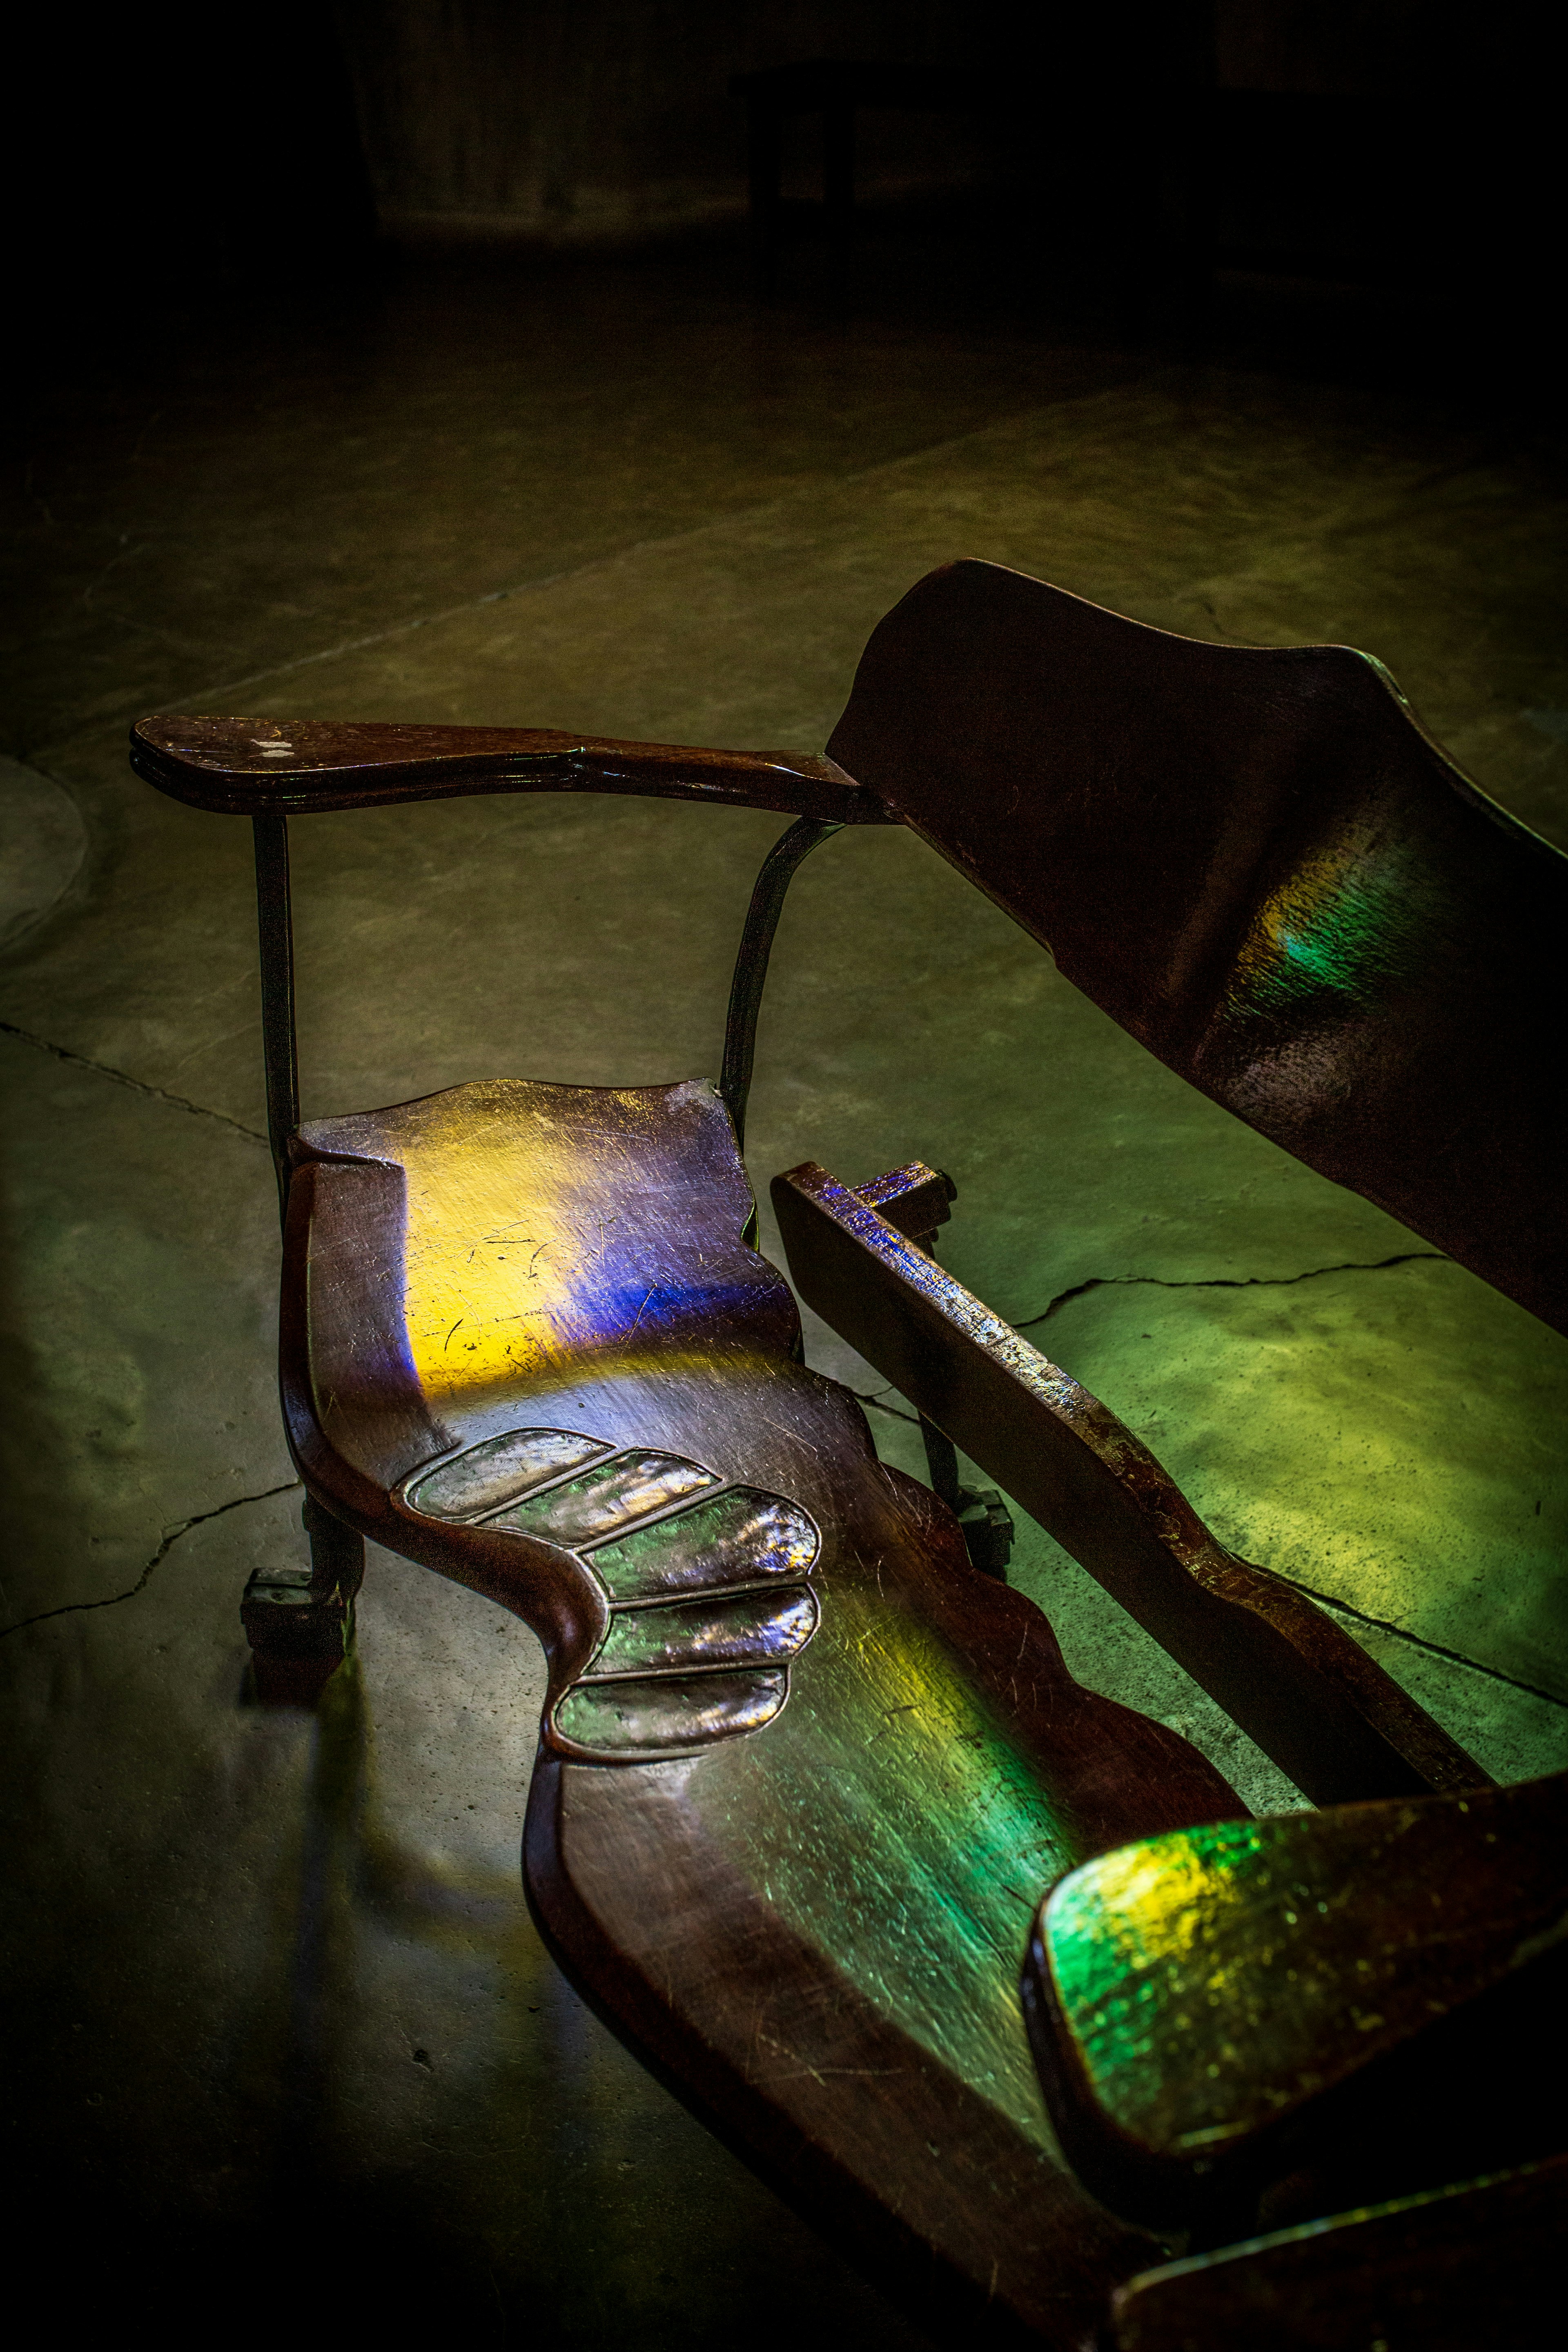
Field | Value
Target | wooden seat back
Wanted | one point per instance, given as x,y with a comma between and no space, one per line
1257,863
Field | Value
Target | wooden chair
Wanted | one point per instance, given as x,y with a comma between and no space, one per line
804,1768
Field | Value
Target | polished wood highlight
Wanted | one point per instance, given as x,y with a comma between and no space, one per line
526,1343
1365,1999
1297,1684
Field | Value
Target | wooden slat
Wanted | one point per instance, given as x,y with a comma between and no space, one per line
1307,1694
1463,2267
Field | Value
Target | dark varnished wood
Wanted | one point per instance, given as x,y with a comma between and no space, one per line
1464,2267
816,1925
1303,1689
226,765
1257,862
1369,1999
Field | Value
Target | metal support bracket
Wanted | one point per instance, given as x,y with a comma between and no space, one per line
916,1200
778,870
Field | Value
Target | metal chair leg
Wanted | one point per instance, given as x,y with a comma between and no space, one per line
300,1621
988,1522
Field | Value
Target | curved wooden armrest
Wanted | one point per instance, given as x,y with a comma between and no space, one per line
1369,1994
267,767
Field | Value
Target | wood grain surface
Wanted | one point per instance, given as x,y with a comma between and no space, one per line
815,1925
804,1771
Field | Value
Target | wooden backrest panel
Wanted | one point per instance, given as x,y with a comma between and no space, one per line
1256,861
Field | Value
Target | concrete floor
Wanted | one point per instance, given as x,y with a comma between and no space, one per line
278,1991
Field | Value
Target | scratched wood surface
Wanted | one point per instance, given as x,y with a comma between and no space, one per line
814,1916
1357,2003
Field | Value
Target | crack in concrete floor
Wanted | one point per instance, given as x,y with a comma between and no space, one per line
1197,1282
171,1538
1417,1642
123,1078
1227,1281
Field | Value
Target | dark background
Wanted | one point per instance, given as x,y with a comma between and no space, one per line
166,162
